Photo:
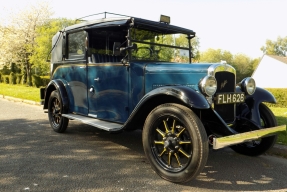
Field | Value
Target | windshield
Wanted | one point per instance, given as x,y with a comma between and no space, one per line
157,46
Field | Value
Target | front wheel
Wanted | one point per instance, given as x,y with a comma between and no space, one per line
55,110
258,147
175,142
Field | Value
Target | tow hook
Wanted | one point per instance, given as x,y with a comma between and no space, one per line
210,139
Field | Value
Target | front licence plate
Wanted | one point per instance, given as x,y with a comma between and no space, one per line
229,98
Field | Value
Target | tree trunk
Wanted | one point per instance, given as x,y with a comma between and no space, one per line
29,75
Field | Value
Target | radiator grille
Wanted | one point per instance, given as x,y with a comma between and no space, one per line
225,83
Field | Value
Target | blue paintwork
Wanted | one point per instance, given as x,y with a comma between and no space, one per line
111,91
74,77
110,98
161,74
148,76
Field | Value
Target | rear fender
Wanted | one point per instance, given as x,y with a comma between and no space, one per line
60,87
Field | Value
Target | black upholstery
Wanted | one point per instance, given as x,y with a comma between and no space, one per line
103,58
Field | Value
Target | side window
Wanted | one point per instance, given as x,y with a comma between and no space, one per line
76,45
101,43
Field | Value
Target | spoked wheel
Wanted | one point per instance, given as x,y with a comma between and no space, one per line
175,142
258,147
55,109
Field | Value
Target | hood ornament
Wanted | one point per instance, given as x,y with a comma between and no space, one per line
224,63
222,85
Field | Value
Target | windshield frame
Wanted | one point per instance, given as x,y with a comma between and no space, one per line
163,29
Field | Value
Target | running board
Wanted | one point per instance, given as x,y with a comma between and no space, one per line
105,125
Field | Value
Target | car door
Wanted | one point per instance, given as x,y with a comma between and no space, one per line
74,71
108,94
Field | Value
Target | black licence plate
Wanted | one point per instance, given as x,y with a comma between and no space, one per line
229,98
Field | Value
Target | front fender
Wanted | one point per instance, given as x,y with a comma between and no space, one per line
168,94
188,96
253,102
60,87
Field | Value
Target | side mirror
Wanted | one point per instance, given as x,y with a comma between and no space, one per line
116,48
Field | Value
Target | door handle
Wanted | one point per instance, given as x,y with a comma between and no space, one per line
97,79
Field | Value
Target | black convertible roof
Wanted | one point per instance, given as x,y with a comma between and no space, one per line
130,21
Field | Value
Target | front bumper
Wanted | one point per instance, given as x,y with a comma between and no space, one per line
222,142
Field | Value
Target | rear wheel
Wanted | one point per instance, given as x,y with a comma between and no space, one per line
258,147
175,142
55,110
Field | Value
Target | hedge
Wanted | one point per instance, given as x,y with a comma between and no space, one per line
5,79
12,78
45,80
280,96
37,81
18,78
40,81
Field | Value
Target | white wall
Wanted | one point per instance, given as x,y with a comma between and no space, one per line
271,73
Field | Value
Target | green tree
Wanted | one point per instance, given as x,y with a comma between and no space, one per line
216,56
278,47
43,43
243,65
18,37
255,63
182,41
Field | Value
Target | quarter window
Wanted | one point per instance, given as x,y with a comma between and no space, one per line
76,45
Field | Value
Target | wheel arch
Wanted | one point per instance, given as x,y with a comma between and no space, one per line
171,94
60,87
253,101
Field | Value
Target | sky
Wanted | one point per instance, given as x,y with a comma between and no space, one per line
238,26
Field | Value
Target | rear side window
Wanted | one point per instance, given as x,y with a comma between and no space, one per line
76,45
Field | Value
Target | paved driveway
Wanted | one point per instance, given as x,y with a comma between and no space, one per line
34,158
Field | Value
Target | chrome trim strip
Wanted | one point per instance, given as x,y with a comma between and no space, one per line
220,67
222,142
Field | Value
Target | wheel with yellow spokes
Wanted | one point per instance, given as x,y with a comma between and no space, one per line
175,142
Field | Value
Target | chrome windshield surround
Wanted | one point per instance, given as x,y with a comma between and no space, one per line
220,67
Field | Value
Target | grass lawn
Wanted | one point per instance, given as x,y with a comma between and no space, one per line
281,116
33,93
20,91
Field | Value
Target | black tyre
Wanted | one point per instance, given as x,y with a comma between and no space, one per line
258,147
55,110
175,142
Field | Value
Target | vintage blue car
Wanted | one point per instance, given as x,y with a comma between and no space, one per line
127,73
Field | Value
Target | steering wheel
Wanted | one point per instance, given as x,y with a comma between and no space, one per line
145,54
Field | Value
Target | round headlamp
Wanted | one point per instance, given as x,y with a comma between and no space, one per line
248,85
208,85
